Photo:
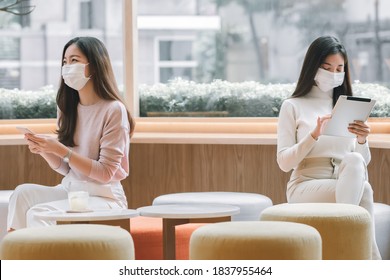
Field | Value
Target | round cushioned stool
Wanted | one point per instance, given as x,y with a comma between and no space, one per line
68,242
255,241
251,204
345,229
382,229
4,199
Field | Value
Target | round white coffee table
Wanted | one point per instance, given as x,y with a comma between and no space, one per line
115,217
178,214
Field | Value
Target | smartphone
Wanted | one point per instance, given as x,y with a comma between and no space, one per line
24,130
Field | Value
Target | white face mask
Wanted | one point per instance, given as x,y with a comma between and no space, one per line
326,80
73,75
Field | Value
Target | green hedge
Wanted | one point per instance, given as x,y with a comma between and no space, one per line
246,99
19,104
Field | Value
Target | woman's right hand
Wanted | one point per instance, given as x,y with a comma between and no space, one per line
321,121
39,144
33,147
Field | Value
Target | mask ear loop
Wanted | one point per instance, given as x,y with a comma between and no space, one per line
84,72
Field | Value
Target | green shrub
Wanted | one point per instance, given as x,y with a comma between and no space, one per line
19,104
246,99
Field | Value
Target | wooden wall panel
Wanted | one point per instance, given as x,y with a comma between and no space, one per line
164,168
18,166
379,174
167,168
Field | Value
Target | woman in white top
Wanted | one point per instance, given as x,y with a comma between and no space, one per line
325,168
94,129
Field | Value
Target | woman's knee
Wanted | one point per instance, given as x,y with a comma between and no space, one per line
354,162
368,191
353,158
22,188
26,188
22,191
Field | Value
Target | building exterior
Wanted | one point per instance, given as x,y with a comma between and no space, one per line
196,39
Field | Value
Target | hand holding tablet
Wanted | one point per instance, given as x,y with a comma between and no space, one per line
347,110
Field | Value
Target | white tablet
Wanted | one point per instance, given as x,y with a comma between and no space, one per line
347,110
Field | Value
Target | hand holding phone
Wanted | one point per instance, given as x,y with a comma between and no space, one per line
24,130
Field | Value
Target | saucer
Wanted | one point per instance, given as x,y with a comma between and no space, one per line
79,211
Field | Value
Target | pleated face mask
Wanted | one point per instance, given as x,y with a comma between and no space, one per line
73,75
327,80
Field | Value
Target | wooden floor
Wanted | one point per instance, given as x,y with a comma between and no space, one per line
168,168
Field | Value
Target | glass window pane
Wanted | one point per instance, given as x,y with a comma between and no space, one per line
85,14
169,73
31,48
256,48
9,48
9,77
175,50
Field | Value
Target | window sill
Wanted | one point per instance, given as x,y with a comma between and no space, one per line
228,131
204,138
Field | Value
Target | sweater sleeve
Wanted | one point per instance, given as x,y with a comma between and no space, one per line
364,150
114,145
289,152
63,168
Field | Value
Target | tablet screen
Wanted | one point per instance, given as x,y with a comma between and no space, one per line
347,110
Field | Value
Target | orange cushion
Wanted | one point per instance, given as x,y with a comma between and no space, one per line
183,235
147,237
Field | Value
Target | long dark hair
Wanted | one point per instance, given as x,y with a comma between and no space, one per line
315,57
104,84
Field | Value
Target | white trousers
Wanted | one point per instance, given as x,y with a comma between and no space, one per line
343,183
29,199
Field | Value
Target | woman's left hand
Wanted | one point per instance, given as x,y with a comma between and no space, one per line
360,129
45,144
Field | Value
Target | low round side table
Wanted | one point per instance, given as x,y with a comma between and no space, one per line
114,217
178,214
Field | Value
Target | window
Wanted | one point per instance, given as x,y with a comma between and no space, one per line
175,59
31,46
217,52
85,14
9,61
255,47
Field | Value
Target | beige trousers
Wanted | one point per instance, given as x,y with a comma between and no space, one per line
332,180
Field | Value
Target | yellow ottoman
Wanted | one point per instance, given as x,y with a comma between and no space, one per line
344,228
68,242
250,240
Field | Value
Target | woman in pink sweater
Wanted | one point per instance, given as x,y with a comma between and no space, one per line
94,130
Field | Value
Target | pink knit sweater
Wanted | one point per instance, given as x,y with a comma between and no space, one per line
103,135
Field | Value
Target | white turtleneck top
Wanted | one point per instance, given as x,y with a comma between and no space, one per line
297,119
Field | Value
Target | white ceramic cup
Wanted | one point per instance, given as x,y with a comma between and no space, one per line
78,200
